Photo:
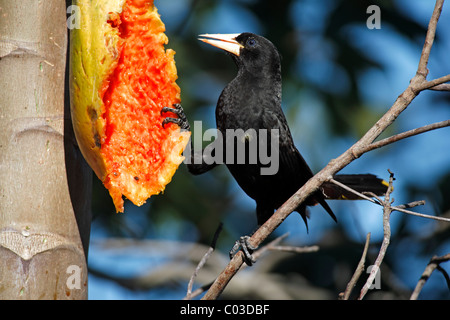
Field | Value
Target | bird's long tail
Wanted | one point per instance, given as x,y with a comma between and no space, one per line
330,191
358,182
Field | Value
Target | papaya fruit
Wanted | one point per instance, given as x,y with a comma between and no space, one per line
121,76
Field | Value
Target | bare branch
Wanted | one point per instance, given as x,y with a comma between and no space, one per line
237,264
274,243
387,210
432,265
429,39
400,208
434,83
427,216
295,249
441,87
408,134
359,194
202,262
359,270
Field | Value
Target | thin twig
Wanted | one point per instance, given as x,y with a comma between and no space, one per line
387,210
441,87
359,270
420,214
408,134
400,208
432,265
258,253
294,249
433,83
411,205
445,274
198,291
203,261
429,38
359,194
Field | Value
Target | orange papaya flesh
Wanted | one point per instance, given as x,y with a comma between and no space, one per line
120,129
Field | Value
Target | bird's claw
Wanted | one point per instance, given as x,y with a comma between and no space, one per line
247,248
181,119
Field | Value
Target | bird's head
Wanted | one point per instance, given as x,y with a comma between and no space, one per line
251,52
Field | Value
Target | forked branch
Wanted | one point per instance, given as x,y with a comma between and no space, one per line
434,264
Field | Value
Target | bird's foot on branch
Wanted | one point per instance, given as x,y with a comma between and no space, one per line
247,249
181,119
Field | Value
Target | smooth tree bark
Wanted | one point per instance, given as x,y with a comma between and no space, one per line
45,185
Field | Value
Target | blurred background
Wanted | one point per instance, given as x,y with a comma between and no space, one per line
339,77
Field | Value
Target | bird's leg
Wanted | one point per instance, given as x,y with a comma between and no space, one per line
263,212
199,162
181,119
247,249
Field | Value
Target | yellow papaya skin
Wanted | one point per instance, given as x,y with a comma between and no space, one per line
95,53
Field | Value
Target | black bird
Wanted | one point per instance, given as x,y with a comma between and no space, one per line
249,103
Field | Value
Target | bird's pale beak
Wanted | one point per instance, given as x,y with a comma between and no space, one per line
225,42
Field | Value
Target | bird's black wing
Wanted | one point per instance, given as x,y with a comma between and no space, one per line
294,171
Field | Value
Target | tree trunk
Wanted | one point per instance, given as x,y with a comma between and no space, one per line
45,185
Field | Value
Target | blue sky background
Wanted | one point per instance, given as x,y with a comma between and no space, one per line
423,158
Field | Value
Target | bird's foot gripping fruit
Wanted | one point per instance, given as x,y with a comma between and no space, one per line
121,79
181,119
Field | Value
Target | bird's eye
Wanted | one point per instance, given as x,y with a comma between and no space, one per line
251,42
